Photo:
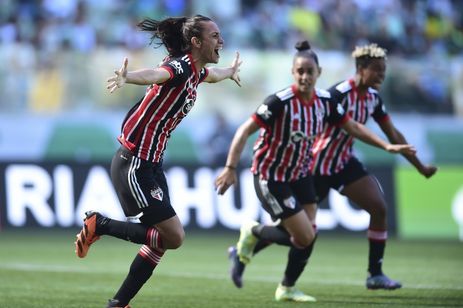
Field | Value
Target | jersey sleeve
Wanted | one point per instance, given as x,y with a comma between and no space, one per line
336,115
379,113
268,111
179,71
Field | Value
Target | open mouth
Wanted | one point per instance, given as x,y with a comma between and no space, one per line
217,50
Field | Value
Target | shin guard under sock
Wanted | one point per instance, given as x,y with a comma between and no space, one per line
272,234
140,271
133,232
297,260
261,245
375,257
377,245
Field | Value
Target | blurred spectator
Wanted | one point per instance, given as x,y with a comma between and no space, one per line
78,29
47,90
219,141
400,26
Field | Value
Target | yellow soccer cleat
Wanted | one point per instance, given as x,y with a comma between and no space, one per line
291,294
246,242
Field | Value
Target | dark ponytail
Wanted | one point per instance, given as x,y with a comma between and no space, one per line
167,32
174,33
304,50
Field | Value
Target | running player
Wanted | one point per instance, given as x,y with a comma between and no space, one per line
335,166
136,168
289,120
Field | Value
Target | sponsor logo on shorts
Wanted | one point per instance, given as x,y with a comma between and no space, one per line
157,193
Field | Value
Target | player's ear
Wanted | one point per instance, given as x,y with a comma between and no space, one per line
196,42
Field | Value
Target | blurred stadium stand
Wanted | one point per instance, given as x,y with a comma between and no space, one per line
56,56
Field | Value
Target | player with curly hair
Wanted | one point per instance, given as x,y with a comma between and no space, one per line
335,166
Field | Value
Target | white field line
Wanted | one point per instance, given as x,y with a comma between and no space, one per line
183,274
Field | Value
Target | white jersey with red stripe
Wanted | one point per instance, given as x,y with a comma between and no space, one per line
289,125
333,148
148,125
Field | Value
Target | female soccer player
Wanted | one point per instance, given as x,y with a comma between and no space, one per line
335,166
136,168
289,120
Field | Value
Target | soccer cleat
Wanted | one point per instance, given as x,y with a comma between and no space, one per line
114,303
237,267
246,242
382,282
291,294
87,235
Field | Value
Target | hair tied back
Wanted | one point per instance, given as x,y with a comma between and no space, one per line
302,45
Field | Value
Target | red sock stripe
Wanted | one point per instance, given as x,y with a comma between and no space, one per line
377,235
151,254
153,239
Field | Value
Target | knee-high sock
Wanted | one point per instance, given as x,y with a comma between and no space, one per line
261,245
377,243
132,232
273,234
140,271
297,260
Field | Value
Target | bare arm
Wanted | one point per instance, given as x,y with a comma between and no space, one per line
138,77
217,74
361,132
228,175
396,137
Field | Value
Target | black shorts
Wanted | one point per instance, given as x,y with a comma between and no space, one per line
141,187
351,172
284,199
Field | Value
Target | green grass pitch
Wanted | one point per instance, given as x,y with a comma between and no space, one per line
40,269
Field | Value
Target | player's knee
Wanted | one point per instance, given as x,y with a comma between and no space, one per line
303,241
175,239
380,210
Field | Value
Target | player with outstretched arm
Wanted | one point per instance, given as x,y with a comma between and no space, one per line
136,168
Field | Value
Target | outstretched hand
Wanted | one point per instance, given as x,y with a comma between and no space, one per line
428,171
236,69
406,149
226,179
120,78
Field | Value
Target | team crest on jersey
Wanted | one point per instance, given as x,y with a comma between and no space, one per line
290,202
157,193
319,113
264,112
297,136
